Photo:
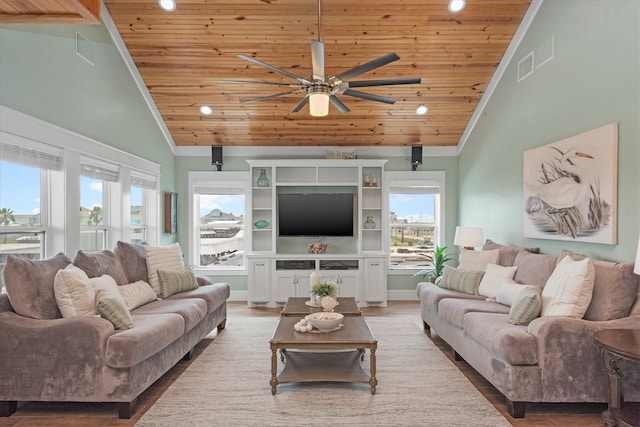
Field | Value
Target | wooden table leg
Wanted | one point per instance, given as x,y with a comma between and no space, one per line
274,368
615,400
372,368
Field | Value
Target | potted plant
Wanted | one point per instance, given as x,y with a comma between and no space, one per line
439,258
326,289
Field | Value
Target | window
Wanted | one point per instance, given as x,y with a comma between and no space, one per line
95,179
142,191
217,219
416,216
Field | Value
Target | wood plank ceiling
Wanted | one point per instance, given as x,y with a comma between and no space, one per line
182,55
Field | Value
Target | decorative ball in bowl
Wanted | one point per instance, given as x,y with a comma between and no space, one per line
317,248
325,321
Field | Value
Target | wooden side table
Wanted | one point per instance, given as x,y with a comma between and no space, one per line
618,344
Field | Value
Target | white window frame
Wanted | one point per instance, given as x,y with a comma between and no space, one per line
417,179
240,180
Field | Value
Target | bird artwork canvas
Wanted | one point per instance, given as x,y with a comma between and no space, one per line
570,188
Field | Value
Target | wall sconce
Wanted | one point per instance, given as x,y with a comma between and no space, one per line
468,237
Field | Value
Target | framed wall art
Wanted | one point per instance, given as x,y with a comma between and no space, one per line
570,188
171,213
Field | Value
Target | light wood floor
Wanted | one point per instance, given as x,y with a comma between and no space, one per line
88,415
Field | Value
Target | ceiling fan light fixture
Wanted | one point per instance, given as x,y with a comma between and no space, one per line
319,104
168,5
422,109
456,6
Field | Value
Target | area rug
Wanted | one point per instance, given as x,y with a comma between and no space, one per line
228,385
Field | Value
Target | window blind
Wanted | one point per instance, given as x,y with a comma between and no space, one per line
143,180
93,168
33,154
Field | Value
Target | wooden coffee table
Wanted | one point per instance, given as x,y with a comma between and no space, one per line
296,306
330,356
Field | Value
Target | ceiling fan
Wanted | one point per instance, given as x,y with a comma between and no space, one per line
319,89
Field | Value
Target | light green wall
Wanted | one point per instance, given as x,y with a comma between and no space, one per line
447,164
41,75
593,80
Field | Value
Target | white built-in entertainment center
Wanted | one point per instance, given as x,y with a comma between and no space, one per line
280,266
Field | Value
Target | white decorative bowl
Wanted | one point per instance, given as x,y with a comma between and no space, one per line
325,321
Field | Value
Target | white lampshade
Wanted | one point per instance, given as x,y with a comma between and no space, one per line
468,237
319,104
637,267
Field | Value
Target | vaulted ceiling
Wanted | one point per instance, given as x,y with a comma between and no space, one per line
183,55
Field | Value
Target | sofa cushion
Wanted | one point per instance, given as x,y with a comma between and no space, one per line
533,269
192,310
507,254
569,290
477,260
136,294
525,302
74,295
111,306
460,280
214,295
494,276
105,262
150,334
133,260
30,285
615,288
176,281
162,258
511,343
431,295
453,310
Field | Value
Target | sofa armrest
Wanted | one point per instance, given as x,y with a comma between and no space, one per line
203,280
569,357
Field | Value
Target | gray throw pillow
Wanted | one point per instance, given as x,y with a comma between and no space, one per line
461,280
508,254
30,285
105,262
133,260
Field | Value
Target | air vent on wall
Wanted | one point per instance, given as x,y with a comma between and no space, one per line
84,48
525,66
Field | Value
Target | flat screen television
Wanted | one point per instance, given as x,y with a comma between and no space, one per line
315,214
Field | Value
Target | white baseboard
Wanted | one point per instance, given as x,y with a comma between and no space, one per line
238,296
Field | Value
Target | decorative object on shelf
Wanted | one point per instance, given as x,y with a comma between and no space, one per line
439,258
317,248
366,180
326,289
374,181
314,279
369,224
263,181
261,223
339,154
328,303
468,237
325,321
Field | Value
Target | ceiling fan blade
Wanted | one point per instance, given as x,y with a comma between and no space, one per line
385,82
272,68
277,95
255,82
369,96
361,69
301,104
338,104
317,59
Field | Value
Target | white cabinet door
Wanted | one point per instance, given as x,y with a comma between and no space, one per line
259,280
375,280
291,283
348,282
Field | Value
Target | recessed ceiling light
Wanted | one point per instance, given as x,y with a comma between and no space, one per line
205,109
456,6
168,5
422,109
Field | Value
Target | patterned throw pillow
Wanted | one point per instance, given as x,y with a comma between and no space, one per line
460,280
569,290
112,308
175,281
525,302
162,258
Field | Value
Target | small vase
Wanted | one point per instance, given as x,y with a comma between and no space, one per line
263,181
369,223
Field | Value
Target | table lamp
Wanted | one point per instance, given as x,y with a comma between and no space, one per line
469,237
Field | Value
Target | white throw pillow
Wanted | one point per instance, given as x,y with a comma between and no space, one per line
162,258
137,294
477,260
73,293
494,276
569,289
508,293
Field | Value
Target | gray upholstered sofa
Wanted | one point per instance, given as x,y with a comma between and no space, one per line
550,359
47,357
